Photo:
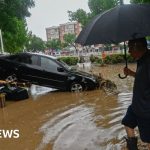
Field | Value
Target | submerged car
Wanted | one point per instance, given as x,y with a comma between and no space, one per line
46,71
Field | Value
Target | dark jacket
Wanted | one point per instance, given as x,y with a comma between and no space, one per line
141,90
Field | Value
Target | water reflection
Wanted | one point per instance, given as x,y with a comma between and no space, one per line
36,90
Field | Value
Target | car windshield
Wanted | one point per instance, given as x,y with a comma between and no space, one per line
65,65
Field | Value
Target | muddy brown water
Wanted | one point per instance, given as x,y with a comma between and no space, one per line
89,120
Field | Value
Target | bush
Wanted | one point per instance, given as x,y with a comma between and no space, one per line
99,61
95,59
92,58
111,59
117,58
81,59
130,59
69,60
108,60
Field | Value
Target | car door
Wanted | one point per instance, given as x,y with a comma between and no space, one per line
53,73
28,68
40,70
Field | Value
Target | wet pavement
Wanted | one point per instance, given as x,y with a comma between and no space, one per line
56,120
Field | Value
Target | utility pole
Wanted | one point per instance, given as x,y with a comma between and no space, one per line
2,47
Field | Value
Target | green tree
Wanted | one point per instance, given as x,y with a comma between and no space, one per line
53,44
13,23
16,8
15,37
80,15
69,40
35,43
98,6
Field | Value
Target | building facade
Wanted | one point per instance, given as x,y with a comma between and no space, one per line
52,33
58,32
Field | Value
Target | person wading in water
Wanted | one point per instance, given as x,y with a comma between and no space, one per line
138,113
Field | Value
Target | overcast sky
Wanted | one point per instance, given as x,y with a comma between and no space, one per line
47,13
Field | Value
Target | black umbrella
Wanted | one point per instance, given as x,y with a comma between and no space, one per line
122,23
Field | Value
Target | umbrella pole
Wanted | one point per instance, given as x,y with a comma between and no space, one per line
126,62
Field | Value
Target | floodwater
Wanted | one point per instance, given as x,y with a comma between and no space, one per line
55,120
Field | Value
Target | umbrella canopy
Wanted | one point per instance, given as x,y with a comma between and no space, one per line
122,23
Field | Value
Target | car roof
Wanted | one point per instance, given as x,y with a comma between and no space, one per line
41,54
29,53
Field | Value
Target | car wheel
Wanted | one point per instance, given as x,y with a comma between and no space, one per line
76,87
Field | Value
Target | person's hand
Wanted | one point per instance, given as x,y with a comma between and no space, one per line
129,72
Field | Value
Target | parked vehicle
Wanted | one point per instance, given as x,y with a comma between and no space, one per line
46,71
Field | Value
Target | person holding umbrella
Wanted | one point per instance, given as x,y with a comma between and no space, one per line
120,24
138,113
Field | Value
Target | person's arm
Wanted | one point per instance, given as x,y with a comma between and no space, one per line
129,72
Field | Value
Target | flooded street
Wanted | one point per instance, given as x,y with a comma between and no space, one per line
55,120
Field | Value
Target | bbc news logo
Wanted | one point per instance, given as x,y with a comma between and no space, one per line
9,133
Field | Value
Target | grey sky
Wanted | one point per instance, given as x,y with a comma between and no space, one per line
47,13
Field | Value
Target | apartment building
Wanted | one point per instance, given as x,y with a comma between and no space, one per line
58,32
52,33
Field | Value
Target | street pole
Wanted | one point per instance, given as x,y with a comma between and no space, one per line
2,47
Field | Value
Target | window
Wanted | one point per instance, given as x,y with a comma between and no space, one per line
34,60
21,58
49,64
